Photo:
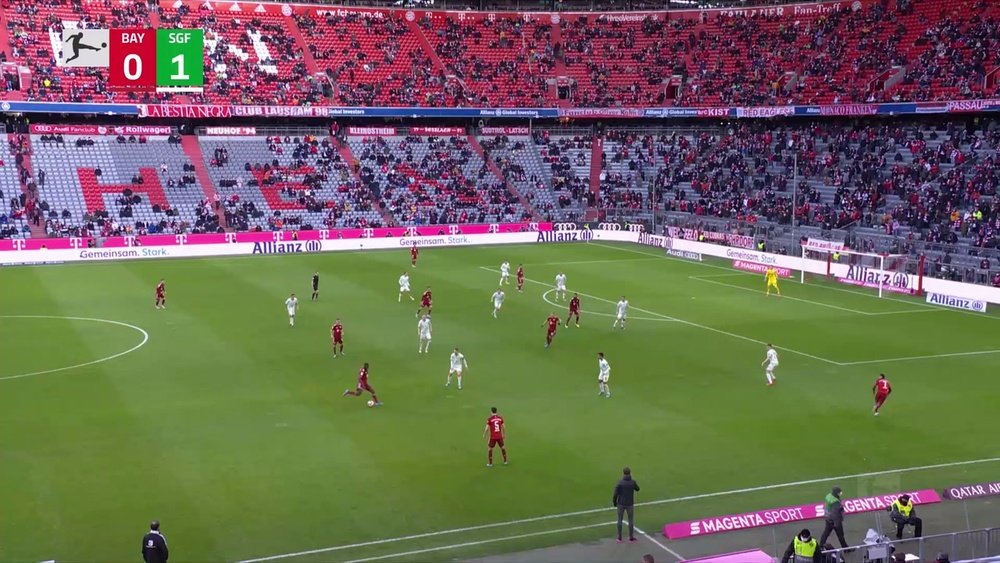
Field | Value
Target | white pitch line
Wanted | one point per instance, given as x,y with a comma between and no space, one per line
145,338
817,303
545,297
475,543
689,323
614,261
930,357
821,286
606,509
659,544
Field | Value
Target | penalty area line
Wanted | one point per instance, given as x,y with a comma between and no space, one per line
477,543
673,500
688,323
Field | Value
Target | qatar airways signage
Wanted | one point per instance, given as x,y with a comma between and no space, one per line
962,492
774,516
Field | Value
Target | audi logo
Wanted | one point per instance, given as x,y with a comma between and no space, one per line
564,226
635,227
609,227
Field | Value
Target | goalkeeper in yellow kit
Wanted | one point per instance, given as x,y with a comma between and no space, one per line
772,281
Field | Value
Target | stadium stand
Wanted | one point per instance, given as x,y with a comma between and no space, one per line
864,51
106,185
290,182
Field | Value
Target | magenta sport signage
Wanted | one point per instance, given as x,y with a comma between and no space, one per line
774,516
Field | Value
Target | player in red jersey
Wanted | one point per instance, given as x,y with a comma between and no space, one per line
520,278
161,295
363,386
425,302
553,322
497,433
414,252
574,310
337,337
881,389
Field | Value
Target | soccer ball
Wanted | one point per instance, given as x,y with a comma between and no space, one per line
371,403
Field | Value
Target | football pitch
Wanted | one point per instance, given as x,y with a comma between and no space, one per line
228,426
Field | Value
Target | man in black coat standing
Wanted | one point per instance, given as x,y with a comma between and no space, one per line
154,545
624,501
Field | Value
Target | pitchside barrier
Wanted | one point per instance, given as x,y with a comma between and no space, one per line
946,293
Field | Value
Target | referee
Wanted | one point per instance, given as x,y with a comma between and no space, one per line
154,545
624,500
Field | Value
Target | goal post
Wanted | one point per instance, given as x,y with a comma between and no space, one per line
885,273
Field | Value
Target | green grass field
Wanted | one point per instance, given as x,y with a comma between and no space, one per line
230,428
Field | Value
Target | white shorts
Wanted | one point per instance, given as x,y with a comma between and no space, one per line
603,378
425,337
504,275
561,287
621,316
497,305
771,366
456,371
291,312
404,289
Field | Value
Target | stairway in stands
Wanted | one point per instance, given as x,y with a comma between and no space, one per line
596,151
192,148
345,153
39,230
303,45
474,143
428,48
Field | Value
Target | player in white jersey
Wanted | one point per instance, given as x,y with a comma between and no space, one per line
603,375
292,305
772,362
561,286
404,287
621,313
505,273
458,363
424,335
498,297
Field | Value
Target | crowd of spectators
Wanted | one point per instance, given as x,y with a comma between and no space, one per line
435,180
881,51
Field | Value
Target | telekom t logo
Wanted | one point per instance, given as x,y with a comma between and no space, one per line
181,239
452,229
277,236
76,242
532,226
231,238
411,231
324,234
18,243
494,228
368,233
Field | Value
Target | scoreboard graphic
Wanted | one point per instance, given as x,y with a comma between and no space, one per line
164,60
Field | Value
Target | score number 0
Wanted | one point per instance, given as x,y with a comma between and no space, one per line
132,67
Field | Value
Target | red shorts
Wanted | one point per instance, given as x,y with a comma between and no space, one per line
425,304
574,311
338,340
159,296
494,442
880,398
550,333
363,386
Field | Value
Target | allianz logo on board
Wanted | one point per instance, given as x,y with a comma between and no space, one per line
286,247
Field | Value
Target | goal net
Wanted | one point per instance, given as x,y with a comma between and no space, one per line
884,273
